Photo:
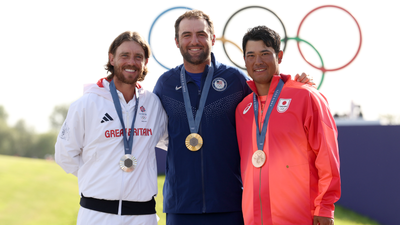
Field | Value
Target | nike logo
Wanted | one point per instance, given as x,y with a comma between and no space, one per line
177,88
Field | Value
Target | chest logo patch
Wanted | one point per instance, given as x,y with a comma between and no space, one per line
142,114
247,108
219,84
283,104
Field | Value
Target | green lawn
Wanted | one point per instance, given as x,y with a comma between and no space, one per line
38,192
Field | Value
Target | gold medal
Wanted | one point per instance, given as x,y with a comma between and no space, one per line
258,158
127,163
194,142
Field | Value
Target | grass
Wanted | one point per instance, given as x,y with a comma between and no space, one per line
159,201
37,192
345,216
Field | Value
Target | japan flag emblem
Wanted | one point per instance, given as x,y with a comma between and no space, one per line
283,104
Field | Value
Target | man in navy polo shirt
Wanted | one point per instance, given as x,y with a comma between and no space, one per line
202,181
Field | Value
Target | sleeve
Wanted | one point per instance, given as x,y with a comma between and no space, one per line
69,145
322,137
163,142
244,78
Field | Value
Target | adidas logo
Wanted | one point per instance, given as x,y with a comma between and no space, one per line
106,118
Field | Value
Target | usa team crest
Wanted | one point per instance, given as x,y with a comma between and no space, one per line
219,84
283,104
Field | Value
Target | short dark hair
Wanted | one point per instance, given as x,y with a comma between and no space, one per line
128,36
194,14
262,33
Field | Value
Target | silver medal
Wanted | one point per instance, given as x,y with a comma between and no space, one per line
127,163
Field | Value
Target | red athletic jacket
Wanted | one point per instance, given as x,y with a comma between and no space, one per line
300,177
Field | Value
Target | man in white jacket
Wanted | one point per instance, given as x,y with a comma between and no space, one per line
117,178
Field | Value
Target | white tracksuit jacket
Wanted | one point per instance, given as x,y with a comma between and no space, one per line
90,146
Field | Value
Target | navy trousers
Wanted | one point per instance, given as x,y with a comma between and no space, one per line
231,218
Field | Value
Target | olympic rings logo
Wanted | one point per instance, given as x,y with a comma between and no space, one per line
284,40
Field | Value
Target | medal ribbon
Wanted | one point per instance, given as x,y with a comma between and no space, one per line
117,104
194,124
261,135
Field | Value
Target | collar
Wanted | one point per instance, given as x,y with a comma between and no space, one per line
216,63
274,83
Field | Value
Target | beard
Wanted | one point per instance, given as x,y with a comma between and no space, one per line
195,60
118,73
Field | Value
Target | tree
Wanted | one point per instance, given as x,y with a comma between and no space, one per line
23,138
58,116
3,114
6,141
44,144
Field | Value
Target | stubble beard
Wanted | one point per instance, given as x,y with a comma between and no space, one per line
195,60
120,76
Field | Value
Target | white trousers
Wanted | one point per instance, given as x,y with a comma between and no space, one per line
89,217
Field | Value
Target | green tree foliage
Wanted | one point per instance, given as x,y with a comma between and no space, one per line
3,114
58,116
44,145
5,134
22,140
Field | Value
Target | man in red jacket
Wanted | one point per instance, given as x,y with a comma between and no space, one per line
287,140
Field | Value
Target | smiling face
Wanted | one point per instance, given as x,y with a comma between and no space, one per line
262,63
129,62
195,41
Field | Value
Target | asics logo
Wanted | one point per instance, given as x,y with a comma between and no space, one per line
247,108
177,88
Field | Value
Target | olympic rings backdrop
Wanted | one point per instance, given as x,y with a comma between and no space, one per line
224,40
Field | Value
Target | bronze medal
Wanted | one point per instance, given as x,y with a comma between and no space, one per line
127,163
194,142
258,158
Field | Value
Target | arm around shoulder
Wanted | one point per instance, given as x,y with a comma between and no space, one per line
163,126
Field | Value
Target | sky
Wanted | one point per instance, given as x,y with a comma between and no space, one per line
50,49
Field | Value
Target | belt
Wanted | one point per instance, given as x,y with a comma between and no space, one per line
111,206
